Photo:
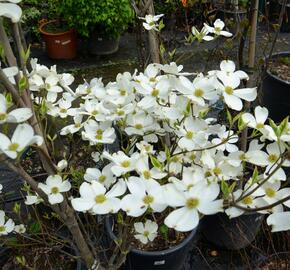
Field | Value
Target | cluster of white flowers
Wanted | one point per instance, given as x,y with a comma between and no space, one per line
171,155
151,21
7,225
209,33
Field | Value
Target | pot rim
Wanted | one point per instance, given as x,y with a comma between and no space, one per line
42,31
153,253
275,55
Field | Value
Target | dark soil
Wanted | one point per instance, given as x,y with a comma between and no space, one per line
40,258
277,264
56,28
281,68
166,237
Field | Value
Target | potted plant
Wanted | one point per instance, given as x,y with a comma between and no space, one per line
277,78
102,22
172,165
60,40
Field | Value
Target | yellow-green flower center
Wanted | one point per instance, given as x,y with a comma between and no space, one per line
248,200
146,233
54,190
138,126
154,92
147,174
242,156
270,192
175,159
259,125
99,134
125,164
63,110
13,147
217,29
189,135
229,90
3,116
2,229
123,92
95,112
148,199
217,171
120,112
77,125
272,158
100,198
192,203
102,178
198,92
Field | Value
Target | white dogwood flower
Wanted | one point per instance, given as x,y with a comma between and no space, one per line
201,35
201,198
10,10
192,134
6,227
33,199
97,200
145,232
122,163
61,165
54,187
95,132
15,116
227,139
146,173
231,95
217,29
279,221
140,123
73,128
151,21
22,137
20,228
143,195
105,177
199,90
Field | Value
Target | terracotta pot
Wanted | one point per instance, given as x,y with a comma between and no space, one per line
59,45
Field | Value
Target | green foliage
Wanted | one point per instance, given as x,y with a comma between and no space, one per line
110,17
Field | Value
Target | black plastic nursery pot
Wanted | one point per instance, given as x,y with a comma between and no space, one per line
232,234
169,259
285,27
276,93
102,45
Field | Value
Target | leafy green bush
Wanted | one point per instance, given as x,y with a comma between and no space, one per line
111,17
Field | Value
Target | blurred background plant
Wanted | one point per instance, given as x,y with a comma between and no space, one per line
111,17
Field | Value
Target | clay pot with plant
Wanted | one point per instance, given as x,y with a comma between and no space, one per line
60,39
102,23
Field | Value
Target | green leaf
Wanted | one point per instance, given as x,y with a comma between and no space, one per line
167,153
284,125
163,229
255,175
225,188
229,117
241,124
35,227
156,163
274,127
2,53
22,84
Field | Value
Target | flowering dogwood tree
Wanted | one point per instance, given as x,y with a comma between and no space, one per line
172,160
